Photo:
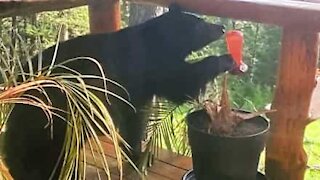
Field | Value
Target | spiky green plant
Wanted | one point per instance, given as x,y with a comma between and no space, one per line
85,111
166,129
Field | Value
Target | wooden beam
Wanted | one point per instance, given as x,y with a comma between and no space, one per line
105,15
286,158
280,12
24,7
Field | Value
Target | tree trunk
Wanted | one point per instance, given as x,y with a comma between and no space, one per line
140,13
1,26
33,39
14,29
286,158
104,15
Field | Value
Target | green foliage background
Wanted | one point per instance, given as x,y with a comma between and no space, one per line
252,91
44,26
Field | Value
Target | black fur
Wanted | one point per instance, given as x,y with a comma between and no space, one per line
146,59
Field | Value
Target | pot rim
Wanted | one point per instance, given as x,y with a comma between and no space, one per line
191,171
233,137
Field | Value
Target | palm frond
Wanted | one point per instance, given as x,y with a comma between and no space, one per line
166,129
86,113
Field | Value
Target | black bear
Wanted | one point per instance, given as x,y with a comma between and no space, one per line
146,59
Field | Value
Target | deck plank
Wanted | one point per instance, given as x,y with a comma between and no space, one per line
168,165
167,170
182,162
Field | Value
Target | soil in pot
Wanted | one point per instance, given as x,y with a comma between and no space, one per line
231,157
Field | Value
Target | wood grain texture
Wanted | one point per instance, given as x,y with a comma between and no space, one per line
281,12
168,166
26,7
286,158
105,16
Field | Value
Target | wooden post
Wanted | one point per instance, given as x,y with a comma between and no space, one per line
104,15
286,158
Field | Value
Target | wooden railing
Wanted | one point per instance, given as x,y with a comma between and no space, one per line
22,7
300,21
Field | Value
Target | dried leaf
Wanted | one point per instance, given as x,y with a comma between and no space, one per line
223,119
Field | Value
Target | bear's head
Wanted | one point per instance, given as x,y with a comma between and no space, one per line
181,32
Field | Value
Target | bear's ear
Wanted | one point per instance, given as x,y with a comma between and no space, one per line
174,8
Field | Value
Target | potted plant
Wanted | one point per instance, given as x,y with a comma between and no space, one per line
226,143
32,90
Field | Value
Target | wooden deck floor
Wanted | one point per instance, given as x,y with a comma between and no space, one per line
168,166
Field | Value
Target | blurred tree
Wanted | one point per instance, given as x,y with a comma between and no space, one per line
140,13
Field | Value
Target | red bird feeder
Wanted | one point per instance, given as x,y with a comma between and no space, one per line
234,39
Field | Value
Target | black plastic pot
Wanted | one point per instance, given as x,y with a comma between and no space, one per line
189,175
225,158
